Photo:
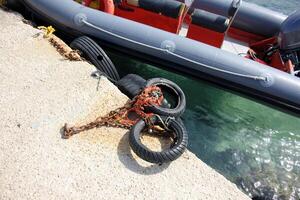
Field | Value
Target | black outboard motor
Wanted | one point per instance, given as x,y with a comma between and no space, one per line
289,41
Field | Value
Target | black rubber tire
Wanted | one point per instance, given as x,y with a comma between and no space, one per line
166,111
96,55
131,85
168,155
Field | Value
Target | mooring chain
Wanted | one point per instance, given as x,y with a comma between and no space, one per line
119,118
108,121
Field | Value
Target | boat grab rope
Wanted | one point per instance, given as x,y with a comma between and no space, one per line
259,78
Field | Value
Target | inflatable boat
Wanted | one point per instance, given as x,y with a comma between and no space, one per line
234,44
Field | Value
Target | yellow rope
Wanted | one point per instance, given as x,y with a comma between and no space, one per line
47,30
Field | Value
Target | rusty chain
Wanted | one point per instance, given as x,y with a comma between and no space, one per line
119,118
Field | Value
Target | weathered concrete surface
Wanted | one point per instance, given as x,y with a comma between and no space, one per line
40,91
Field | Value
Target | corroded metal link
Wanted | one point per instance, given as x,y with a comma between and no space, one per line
119,118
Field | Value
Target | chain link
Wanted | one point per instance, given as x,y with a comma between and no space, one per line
119,118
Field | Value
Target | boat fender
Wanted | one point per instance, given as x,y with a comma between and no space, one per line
131,85
170,86
108,5
179,135
96,55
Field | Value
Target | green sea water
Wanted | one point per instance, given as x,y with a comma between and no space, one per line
283,6
255,146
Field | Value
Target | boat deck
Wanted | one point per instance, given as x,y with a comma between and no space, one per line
231,45
235,46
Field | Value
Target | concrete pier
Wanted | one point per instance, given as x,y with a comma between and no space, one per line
40,91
